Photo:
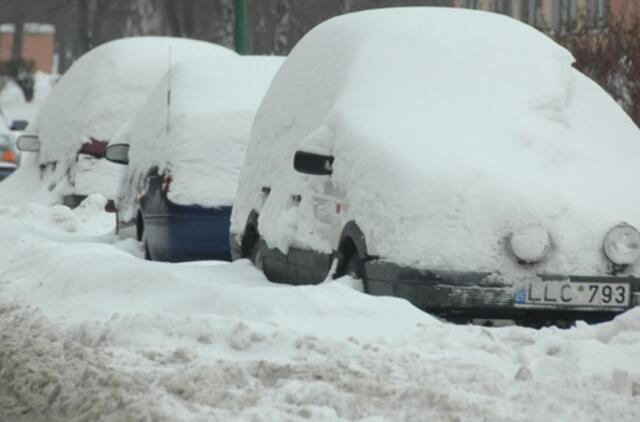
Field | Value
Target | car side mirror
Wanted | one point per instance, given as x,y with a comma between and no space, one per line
311,163
118,153
28,143
19,125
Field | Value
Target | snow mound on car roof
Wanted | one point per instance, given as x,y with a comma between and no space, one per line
203,135
104,87
450,129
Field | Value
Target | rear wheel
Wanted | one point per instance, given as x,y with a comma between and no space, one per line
354,268
145,244
257,255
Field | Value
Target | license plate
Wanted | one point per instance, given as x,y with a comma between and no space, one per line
567,294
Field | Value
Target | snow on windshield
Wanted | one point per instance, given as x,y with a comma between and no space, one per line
448,127
203,142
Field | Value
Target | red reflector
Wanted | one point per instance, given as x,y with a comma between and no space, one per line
166,183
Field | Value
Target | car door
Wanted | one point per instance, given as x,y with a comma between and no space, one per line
324,216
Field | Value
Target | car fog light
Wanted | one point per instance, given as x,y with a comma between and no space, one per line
530,243
622,244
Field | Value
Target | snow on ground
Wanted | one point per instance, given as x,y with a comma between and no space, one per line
89,331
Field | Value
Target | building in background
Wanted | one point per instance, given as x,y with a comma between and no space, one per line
555,16
37,44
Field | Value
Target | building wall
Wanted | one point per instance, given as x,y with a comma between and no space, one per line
625,12
545,14
38,47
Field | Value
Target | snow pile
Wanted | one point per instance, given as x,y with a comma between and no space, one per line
213,102
449,127
89,332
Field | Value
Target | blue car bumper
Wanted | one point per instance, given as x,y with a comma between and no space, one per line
188,233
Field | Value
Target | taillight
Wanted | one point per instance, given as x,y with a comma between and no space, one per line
8,156
166,182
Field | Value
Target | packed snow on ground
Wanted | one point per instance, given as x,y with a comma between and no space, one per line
201,138
449,127
97,95
89,331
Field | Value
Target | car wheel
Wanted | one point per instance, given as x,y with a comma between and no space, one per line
147,253
354,268
257,255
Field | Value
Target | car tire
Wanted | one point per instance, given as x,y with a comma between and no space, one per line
354,267
257,255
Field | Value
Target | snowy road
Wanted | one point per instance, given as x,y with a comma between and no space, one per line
89,331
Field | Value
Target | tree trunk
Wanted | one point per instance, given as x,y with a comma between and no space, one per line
172,17
84,41
18,22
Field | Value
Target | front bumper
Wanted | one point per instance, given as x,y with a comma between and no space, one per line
485,295
6,170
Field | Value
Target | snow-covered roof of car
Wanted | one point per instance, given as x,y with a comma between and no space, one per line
105,87
203,135
450,129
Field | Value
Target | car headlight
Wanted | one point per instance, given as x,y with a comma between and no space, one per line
530,244
622,244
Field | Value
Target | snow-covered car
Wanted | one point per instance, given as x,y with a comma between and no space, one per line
184,158
454,158
92,100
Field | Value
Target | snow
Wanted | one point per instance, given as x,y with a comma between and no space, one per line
29,28
213,102
99,93
89,331
449,127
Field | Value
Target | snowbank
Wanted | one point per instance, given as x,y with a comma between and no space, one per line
90,332
449,127
213,102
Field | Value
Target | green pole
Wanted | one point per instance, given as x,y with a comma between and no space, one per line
239,27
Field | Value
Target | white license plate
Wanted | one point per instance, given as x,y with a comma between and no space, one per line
566,294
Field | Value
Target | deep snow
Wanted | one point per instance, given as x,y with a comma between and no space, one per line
89,331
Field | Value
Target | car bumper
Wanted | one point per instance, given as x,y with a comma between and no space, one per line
178,237
5,171
486,295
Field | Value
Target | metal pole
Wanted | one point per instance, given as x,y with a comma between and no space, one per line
239,26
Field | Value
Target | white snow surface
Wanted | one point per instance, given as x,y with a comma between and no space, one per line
89,331
449,127
202,138
99,93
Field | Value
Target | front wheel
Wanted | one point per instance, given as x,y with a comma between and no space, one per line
354,268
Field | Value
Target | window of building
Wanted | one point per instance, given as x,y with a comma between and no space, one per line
597,13
564,15
531,12
471,4
503,6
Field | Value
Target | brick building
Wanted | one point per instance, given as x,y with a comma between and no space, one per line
37,44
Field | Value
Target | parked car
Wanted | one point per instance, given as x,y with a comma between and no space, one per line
184,158
92,100
8,153
453,158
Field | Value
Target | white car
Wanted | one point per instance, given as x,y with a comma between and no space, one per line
451,157
92,100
